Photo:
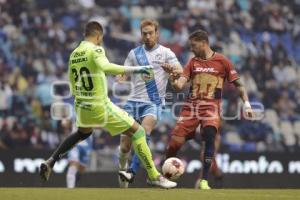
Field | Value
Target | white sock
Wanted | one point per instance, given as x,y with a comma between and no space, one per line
71,176
123,157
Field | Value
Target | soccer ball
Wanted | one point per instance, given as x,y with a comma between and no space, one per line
173,168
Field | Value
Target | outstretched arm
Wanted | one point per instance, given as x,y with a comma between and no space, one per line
175,69
129,61
114,69
102,62
178,83
244,97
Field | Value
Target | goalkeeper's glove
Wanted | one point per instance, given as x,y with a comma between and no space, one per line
139,69
145,69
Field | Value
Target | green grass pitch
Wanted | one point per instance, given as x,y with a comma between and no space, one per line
144,194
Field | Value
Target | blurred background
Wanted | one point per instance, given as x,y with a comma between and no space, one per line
261,37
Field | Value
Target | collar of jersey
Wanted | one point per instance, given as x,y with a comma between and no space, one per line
208,59
154,48
88,42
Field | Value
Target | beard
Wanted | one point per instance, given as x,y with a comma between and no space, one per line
200,54
150,44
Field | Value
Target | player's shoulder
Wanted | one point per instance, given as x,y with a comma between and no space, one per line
89,48
138,48
134,51
190,62
221,57
168,54
131,52
98,49
164,49
193,60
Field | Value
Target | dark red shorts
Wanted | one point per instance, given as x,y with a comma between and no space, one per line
192,115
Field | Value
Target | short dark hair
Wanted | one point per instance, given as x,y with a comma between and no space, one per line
91,28
199,35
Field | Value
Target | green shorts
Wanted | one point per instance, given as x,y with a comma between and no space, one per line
104,115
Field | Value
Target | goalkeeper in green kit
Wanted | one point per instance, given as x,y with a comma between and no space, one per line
88,67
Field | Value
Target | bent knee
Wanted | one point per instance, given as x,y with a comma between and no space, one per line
178,139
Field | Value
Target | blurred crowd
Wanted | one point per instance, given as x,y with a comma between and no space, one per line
261,37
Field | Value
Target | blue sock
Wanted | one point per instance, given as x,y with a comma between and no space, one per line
209,137
135,163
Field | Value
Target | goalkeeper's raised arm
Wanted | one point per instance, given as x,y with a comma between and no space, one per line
102,62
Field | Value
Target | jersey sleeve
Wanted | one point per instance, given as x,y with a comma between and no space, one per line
187,70
171,57
103,63
230,72
99,55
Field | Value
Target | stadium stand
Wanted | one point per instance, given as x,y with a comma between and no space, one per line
262,38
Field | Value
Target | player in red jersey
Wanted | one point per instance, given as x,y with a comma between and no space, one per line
206,72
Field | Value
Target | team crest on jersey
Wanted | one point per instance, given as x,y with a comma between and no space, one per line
158,56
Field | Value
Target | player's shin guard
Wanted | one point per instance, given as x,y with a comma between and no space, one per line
68,144
209,151
123,157
142,150
71,176
135,163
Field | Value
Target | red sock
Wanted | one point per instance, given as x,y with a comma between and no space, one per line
173,148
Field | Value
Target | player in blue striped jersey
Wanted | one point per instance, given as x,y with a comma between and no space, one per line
148,95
